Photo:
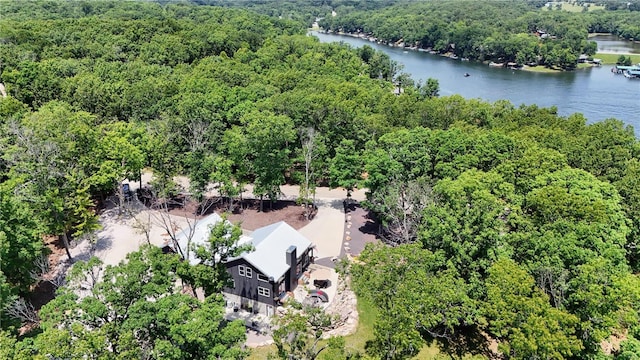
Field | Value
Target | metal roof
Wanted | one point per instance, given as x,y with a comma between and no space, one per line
632,67
271,243
199,235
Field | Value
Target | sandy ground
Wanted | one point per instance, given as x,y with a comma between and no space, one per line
122,235
326,231
289,192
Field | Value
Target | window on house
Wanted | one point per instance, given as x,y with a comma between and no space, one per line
233,284
241,270
262,278
249,272
264,291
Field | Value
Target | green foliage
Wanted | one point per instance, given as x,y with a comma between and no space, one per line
605,298
298,333
49,162
211,273
345,169
500,208
624,60
522,320
627,187
135,312
468,222
119,155
550,220
7,345
629,350
21,244
468,29
413,297
268,139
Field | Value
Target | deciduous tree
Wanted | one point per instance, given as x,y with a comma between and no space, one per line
222,244
345,169
298,334
268,138
136,311
522,320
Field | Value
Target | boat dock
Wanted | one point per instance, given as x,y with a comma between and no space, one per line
630,72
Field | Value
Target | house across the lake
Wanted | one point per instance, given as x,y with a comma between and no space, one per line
262,277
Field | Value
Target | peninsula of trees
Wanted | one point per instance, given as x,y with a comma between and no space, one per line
503,32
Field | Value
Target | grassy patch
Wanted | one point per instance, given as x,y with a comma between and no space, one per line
355,342
540,68
358,340
611,59
364,332
261,353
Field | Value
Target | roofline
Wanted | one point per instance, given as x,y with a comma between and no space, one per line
242,256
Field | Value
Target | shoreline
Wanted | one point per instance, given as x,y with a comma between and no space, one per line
537,69
590,35
609,52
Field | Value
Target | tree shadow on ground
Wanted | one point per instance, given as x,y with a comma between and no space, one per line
334,204
371,225
104,242
464,341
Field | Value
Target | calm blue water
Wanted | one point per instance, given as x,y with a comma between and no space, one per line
595,92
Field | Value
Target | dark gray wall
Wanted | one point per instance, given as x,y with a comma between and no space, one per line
248,287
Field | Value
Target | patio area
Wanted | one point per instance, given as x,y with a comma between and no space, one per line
318,272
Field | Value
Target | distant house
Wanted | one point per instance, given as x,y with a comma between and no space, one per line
263,277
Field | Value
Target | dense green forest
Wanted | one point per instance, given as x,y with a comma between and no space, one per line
515,31
501,225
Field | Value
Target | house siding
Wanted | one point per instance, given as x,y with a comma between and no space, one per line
245,293
247,288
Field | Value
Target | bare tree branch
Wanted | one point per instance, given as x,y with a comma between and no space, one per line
197,131
40,268
22,310
402,206
308,138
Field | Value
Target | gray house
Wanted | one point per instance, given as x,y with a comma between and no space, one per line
262,277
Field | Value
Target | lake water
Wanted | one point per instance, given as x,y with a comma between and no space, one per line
613,44
595,92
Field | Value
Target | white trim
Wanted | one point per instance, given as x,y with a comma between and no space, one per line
264,292
241,270
262,277
249,272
